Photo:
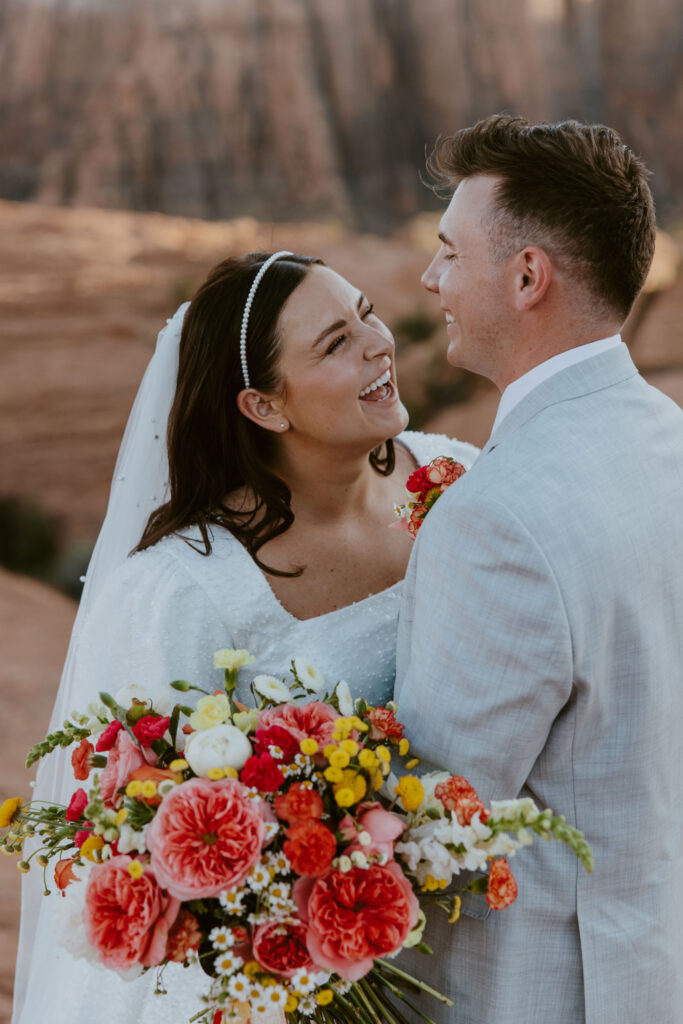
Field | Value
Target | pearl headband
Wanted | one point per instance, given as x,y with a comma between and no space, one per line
247,309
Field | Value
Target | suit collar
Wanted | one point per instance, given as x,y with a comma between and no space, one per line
594,374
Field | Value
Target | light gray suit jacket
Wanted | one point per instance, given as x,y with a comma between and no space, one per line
540,652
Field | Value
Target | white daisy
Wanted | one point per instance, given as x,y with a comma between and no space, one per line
228,963
239,986
258,878
307,1006
276,996
232,900
272,689
271,830
310,676
221,938
279,862
303,982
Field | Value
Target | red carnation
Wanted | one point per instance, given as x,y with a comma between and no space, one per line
150,728
502,889
457,795
81,760
77,804
300,803
310,848
276,736
263,772
384,724
108,737
419,483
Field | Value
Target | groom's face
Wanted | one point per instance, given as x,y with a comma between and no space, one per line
469,281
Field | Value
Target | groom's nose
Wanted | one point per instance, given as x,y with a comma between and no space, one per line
430,278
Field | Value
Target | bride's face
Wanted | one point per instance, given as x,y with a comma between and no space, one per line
337,363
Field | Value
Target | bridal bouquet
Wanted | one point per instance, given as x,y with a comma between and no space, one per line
272,845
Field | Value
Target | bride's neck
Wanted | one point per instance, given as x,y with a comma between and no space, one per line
326,484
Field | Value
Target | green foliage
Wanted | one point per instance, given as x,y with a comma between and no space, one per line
29,537
62,738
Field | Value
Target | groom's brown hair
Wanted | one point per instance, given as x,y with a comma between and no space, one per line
574,189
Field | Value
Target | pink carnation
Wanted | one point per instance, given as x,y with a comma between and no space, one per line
301,720
127,920
205,837
124,758
355,916
108,737
77,804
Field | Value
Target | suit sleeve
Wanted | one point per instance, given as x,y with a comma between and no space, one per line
485,660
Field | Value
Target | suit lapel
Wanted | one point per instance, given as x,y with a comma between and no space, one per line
594,374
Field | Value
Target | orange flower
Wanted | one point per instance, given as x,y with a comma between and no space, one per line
310,848
502,889
456,794
81,760
64,874
148,772
299,803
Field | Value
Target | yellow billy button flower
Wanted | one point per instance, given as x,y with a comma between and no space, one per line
121,816
179,765
376,779
134,788
215,774
383,753
339,759
430,884
350,747
410,792
353,783
413,763
251,968
9,809
229,772
358,724
135,869
324,997
291,1004
330,749
334,774
90,847
368,759
149,789
230,658
309,746
342,729
403,747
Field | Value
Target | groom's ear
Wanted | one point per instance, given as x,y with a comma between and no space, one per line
533,272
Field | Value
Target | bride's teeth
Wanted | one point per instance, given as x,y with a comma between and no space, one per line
384,379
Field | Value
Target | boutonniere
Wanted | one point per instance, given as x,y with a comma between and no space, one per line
425,486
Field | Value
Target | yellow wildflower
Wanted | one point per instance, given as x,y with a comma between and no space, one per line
134,788
455,912
90,846
121,816
229,772
215,774
403,746
368,759
430,884
330,749
339,759
413,763
179,765
324,997
342,728
9,809
358,724
309,746
354,782
149,788
135,869
344,796
230,658
410,792
251,968
350,746
291,1004
383,753
334,774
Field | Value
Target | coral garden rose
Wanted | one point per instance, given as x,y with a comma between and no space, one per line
302,720
124,757
502,890
301,802
280,947
81,760
456,794
127,920
310,847
205,837
355,916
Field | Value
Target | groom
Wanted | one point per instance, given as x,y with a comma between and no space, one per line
540,644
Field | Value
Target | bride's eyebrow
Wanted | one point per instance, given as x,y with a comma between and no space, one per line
338,323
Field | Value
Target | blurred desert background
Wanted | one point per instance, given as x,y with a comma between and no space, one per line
142,141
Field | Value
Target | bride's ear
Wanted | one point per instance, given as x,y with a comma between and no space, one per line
261,410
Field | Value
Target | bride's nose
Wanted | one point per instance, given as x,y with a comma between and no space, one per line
378,343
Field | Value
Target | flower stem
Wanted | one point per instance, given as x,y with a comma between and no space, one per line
414,981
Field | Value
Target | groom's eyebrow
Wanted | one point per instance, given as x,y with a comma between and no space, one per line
338,323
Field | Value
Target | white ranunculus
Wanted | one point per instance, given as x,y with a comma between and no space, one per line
344,697
215,748
311,677
272,688
157,697
130,840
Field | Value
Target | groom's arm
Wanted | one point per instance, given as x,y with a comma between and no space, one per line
490,657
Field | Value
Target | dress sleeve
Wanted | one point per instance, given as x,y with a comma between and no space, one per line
425,447
153,623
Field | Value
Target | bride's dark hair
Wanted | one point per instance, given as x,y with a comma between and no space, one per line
212,448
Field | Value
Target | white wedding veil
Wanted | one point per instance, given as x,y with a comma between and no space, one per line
139,485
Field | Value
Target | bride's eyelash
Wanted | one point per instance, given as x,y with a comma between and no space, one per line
333,346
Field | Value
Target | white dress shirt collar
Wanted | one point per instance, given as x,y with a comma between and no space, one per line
520,388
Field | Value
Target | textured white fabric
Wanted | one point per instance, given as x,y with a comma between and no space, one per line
520,388
540,650
160,617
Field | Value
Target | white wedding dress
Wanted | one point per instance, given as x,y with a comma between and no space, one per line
160,617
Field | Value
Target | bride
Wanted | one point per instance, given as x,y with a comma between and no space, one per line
262,524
